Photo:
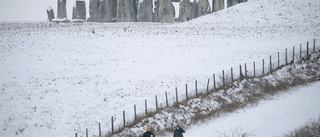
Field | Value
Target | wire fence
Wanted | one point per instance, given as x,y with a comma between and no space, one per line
216,82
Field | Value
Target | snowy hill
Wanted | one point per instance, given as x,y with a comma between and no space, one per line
275,117
59,79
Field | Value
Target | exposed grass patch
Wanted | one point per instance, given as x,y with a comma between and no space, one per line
311,129
238,132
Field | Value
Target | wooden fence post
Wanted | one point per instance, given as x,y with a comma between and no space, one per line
196,85
314,45
245,70
167,99
286,57
231,75
262,66
135,112
99,130
177,100
270,64
186,92
214,82
208,86
241,76
124,119
223,82
87,134
307,48
254,69
112,126
300,51
278,60
76,134
146,107
156,102
293,51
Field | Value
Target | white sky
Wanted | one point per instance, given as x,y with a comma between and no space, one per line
31,10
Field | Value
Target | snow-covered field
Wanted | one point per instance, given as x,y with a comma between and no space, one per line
59,79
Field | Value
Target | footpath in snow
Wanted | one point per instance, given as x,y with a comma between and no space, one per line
270,118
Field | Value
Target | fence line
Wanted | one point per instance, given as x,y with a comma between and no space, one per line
222,81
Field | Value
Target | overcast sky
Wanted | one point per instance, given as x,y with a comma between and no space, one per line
31,10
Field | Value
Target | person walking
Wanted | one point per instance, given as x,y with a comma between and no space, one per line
178,132
148,133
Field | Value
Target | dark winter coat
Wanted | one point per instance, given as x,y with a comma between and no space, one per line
178,132
148,134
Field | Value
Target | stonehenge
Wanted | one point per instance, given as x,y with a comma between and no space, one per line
140,10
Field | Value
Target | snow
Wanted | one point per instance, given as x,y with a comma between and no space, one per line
49,8
138,7
275,117
176,8
61,20
59,79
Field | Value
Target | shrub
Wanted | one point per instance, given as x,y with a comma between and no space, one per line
311,129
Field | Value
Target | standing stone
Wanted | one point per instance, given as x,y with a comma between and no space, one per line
202,8
62,10
166,11
127,11
145,10
231,3
50,13
186,10
115,9
79,11
107,10
93,10
235,2
217,5
103,10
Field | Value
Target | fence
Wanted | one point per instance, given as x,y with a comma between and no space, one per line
217,82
